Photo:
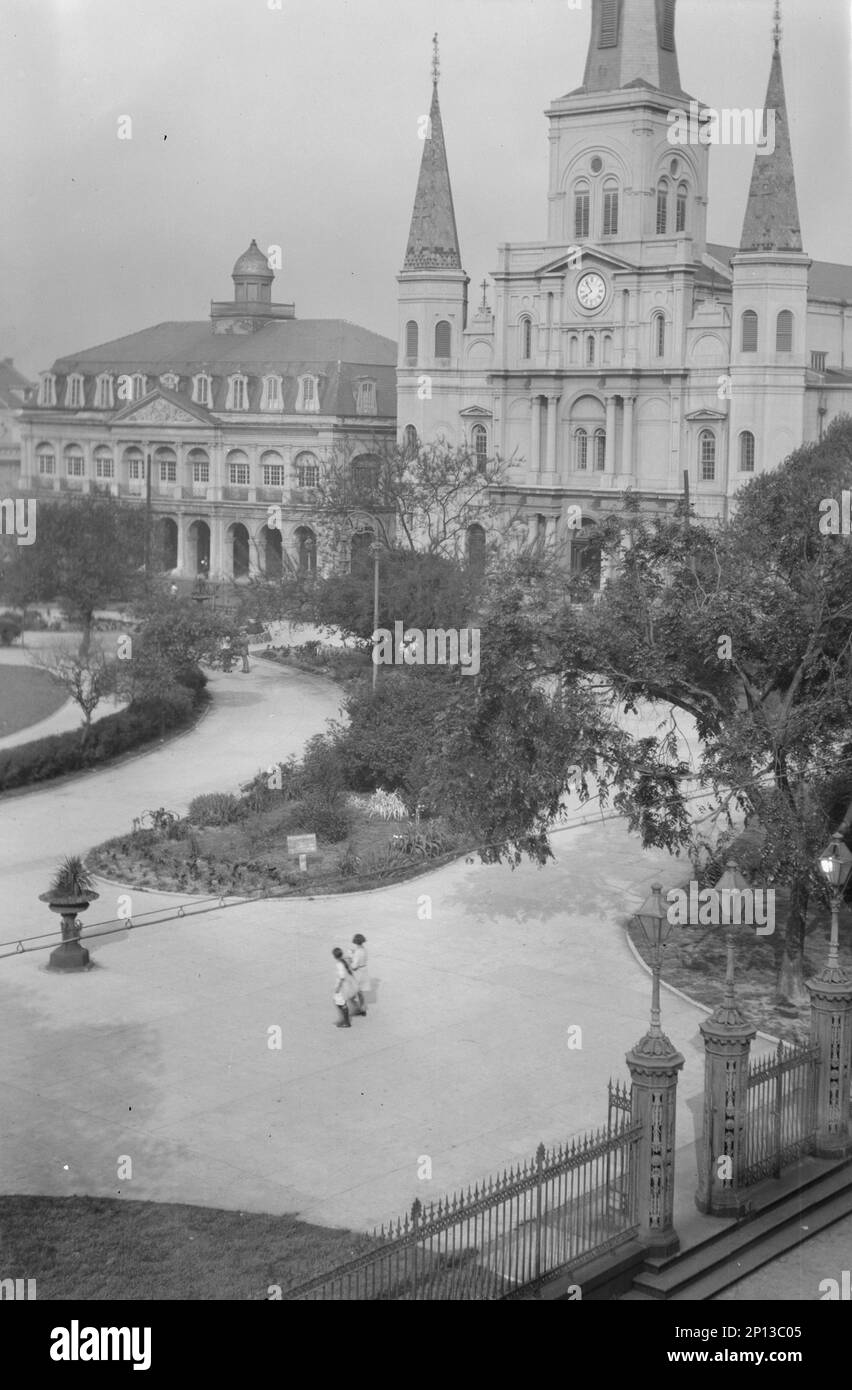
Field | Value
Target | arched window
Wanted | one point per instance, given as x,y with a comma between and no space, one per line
443,339
581,450
610,207
103,392
574,349
272,471
662,207
412,340
104,464
307,397
476,548
199,463
238,468
272,397
74,391
201,389
707,455
600,450
237,392
307,470
307,543
607,349
749,331
134,461
410,441
75,466
526,338
590,351
46,460
47,389
784,332
682,192
746,452
360,559
582,202
167,462
658,325
365,473
479,436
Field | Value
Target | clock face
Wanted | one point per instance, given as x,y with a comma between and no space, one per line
591,291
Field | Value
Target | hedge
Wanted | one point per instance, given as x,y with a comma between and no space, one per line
45,758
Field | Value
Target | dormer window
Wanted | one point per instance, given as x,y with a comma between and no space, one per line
202,389
237,393
47,389
74,392
272,398
170,381
308,396
103,392
140,386
365,398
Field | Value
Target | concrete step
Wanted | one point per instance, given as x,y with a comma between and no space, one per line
796,1207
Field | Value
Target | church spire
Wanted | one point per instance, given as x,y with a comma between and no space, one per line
772,213
632,43
433,242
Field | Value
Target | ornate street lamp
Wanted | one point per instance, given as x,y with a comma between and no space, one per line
835,863
375,550
653,919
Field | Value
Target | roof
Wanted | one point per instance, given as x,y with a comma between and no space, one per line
826,279
335,351
632,45
433,241
253,262
277,346
11,382
772,211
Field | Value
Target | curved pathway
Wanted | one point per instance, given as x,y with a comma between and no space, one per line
167,1051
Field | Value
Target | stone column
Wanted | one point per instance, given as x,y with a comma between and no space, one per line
609,463
181,543
727,1037
831,1031
217,548
552,404
535,436
627,439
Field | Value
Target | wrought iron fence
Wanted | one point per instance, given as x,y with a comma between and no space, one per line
780,1110
510,1234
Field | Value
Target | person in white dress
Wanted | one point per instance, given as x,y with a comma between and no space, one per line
358,966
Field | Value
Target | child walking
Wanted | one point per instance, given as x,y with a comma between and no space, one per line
345,988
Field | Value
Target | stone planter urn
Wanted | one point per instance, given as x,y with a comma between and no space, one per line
69,894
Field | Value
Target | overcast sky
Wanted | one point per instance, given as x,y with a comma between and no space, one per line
298,127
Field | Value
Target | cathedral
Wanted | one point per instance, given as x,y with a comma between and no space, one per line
624,350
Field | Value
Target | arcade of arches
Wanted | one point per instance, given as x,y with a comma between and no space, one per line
223,549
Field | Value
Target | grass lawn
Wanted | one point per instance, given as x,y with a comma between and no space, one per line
26,696
694,961
96,1247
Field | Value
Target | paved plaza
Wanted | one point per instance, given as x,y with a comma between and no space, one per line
161,1052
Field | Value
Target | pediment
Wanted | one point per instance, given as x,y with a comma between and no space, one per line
162,407
474,412
706,415
591,258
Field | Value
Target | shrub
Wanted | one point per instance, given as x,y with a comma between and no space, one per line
214,808
386,805
322,767
44,758
328,819
391,736
349,862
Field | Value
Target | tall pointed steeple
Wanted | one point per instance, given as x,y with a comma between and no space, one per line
772,212
632,43
433,242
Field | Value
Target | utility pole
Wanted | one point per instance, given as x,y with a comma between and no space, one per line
147,515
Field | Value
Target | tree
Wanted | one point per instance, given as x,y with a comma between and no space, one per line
89,678
175,634
89,551
420,590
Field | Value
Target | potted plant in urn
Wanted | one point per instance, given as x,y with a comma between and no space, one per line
70,892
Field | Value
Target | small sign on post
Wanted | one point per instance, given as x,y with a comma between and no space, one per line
302,845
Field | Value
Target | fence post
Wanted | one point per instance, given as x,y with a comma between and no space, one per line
415,1212
831,1031
539,1164
727,1037
654,1064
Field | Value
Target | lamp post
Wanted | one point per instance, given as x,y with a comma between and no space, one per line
654,1064
835,863
831,1018
375,551
727,1036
